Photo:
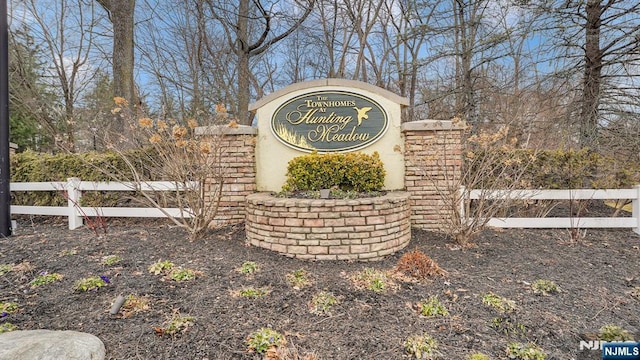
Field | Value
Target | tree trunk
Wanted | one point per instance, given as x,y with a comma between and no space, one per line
592,76
243,53
121,14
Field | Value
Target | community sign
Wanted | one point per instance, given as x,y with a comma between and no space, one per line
329,121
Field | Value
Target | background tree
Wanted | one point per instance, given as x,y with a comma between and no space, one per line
121,14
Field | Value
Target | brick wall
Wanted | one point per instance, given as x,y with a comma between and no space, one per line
433,169
360,229
237,160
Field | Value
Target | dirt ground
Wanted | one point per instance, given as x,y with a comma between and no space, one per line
598,277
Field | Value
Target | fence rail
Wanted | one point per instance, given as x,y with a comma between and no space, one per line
632,222
74,188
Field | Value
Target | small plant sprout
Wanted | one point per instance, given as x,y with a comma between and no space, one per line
183,274
507,326
5,268
503,305
432,307
253,292
478,356
528,351
67,252
263,340
421,347
372,279
110,260
7,327
91,283
612,332
322,303
177,324
160,267
7,308
545,287
45,278
134,304
248,268
298,279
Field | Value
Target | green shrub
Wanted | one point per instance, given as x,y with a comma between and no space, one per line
349,171
30,166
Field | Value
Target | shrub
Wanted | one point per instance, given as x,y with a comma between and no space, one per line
418,265
349,171
30,166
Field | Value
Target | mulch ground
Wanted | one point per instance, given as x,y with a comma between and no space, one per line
598,276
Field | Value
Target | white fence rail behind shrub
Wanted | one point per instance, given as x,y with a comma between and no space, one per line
632,222
74,188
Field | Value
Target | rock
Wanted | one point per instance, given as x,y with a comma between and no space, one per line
50,345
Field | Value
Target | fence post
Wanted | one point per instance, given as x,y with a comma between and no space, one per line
463,204
73,202
635,211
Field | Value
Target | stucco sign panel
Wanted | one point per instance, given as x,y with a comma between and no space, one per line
329,121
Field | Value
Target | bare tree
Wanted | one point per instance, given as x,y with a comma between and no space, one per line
250,28
65,29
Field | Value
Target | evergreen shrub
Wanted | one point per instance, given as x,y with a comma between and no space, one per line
347,171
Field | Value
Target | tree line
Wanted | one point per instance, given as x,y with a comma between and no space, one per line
562,73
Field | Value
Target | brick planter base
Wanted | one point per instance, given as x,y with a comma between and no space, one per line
361,229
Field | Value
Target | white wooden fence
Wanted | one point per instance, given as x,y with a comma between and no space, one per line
632,222
74,188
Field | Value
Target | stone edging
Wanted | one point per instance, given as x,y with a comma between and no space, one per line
364,229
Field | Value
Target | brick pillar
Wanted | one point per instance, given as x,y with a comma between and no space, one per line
238,162
433,159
